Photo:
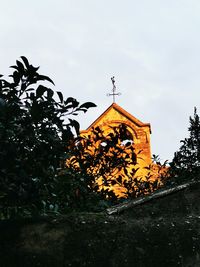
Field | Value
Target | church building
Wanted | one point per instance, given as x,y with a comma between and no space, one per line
139,132
140,175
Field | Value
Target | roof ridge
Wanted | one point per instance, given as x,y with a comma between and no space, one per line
123,112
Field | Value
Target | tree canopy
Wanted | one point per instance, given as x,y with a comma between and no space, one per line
186,162
34,134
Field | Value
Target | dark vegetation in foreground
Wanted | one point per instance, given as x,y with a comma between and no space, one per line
164,232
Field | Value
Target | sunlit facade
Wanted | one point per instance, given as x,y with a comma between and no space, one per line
139,133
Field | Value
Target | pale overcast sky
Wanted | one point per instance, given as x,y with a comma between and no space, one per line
151,47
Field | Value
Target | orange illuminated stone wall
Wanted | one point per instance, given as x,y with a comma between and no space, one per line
140,132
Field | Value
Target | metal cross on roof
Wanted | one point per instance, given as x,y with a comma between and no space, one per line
113,94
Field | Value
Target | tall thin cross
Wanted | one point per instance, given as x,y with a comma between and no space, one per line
113,94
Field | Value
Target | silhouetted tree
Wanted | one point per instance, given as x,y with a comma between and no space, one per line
186,161
33,139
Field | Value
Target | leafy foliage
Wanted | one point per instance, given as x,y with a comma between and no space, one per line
107,162
103,158
186,161
33,139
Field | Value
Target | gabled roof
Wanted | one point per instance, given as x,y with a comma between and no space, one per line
122,112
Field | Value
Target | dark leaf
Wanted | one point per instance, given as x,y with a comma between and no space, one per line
50,93
16,77
67,135
44,78
119,179
20,66
76,125
33,70
87,105
14,67
30,89
69,100
40,91
125,171
60,95
25,60
71,103
113,182
32,96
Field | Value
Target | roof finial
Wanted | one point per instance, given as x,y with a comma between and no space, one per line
113,94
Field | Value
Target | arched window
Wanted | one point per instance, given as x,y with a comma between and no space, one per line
127,139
